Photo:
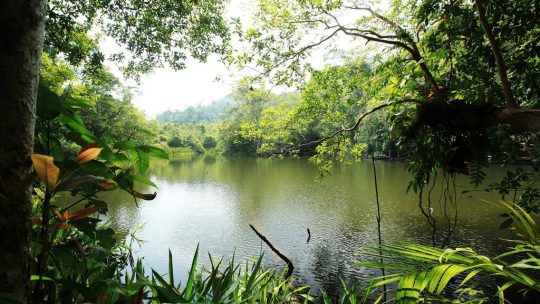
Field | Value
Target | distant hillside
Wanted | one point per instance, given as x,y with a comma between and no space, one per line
199,114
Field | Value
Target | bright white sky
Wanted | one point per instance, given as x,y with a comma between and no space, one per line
166,89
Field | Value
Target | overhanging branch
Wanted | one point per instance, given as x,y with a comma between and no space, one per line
358,121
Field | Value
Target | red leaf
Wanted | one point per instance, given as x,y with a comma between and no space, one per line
144,196
36,220
59,225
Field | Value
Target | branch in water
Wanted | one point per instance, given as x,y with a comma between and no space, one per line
290,266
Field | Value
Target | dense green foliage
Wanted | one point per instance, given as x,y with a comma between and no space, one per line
153,33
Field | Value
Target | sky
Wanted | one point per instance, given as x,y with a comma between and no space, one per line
166,89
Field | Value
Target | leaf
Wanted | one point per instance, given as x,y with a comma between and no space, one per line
48,104
52,146
138,297
191,279
59,225
79,214
153,151
142,179
147,197
88,153
74,122
37,277
77,102
36,220
46,169
140,159
107,185
76,182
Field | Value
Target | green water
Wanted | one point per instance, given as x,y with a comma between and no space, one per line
211,201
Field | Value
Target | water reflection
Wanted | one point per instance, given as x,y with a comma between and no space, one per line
211,200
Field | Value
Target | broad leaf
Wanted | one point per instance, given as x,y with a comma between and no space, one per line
49,104
153,151
88,153
46,169
76,182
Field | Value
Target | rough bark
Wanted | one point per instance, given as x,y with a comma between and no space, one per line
21,42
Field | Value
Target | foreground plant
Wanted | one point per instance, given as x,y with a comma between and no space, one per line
221,283
424,273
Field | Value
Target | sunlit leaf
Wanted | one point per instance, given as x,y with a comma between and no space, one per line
46,169
140,160
153,151
142,179
88,153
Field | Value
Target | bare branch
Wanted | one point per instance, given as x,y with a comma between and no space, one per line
296,54
290,266
412,49
501,66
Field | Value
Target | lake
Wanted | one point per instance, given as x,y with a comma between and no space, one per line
210,201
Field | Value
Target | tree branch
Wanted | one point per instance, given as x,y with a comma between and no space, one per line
506,88
358,121
290,266
412,48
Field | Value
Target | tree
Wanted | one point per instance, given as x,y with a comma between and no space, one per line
153,32
21,40
451,69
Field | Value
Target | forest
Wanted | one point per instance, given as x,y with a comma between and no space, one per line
409,153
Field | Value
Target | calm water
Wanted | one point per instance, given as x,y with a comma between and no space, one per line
212,200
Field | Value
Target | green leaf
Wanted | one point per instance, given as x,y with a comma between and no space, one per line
77,102
49,105
140,160
142,179
74,122
36,278
153,151
188,291
171,270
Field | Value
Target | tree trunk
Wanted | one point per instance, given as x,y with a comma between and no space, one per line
21,41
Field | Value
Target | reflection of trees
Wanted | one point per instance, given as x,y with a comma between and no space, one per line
281,198
327,267
209,159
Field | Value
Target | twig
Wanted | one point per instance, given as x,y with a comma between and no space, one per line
379,222
290,266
